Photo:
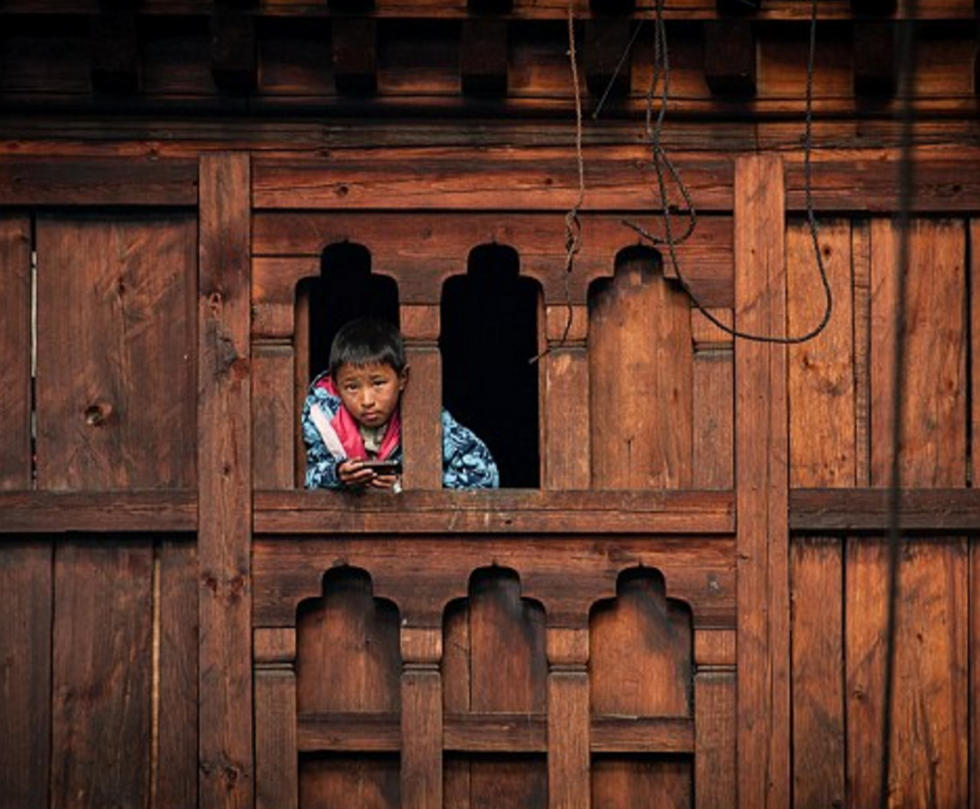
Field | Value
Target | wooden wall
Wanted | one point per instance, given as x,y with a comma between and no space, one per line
689,611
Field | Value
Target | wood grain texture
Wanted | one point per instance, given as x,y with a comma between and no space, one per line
929,762
347,660
176,769
713,403
640,664
421,758
276,770
641,379
225,472
715,759
930,510
101,673
140,511
15,352
974,598
273,416
421,420
25,684
118,411
566,449
98,181
568,739
761,487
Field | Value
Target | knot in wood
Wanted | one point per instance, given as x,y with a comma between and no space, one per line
97,414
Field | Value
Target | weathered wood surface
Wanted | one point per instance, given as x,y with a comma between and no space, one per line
25,685
421,250
15,353
937,511
512,512
973,277
118,412
712,397
274,415
225,471
137,181
929,761
141,511
101,673
761,486
564,574
641,379
641,631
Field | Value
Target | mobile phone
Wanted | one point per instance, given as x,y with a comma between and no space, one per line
383,467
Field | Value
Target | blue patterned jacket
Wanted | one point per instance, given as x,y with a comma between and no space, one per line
466,461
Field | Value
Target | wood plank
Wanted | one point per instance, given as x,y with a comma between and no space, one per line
440,244
847,510
817,574
761,487
564,379
176,770
121,180
121,414
138,511
25,687
712,403
568,739
974,597
15,352
617,178
225,470
641,631
101,680
640,362
502,511
276,771
421,420
273,416
861,269
421,731
714,743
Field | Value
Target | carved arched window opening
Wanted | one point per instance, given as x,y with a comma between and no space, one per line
489,331
641,376
345,290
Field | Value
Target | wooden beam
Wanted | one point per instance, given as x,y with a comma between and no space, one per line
276,772
37,512
730,57
847,510
233,50
224,464
874,59
355,56
483,57
703,513
421,718
606,41
15,352
762,536
569,762
115,52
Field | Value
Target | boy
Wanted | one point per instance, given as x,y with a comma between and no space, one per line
351,416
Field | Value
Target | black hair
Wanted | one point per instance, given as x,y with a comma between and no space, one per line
366,341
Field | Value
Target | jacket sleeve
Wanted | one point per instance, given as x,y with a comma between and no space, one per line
321,466
466,461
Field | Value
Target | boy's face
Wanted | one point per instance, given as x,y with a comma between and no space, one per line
370,392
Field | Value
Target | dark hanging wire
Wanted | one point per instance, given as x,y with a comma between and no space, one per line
661,160
906,88
573,224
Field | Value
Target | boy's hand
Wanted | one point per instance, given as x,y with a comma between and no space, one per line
353,473
384,481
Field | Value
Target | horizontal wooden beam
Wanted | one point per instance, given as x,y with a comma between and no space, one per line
98,181
866,510
492,733
157,510
496,511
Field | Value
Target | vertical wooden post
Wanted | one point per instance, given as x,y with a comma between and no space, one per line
761,486
565,447
224,479
422,400
276,767
569,764
714,722
974,596
421,765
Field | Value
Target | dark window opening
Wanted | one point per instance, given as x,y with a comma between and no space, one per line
345,290
489,332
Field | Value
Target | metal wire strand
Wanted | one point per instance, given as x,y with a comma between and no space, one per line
662,65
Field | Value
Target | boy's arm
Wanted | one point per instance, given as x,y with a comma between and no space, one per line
467,463
321,464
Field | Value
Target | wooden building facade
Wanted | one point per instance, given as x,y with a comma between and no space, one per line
679,596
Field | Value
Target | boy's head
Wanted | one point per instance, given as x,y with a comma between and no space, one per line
367,363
